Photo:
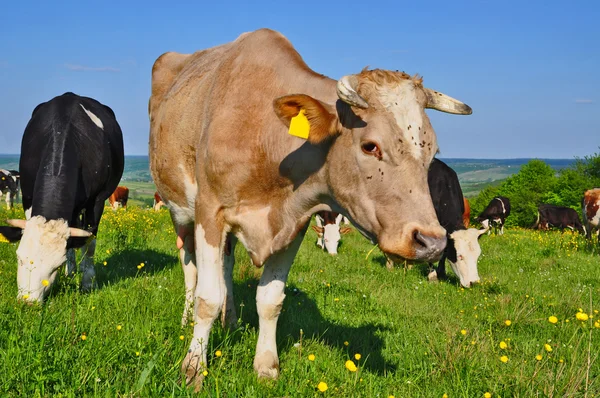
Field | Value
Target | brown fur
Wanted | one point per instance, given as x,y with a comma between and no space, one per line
467,213
121,195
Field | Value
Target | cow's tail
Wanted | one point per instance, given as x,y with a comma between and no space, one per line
537,222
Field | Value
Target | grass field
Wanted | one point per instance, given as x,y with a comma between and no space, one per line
415,339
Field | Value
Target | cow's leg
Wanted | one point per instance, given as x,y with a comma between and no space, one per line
432,276
71,263
269,301
187,257
441,268
501,227
8,201
209,297
228,313
88,279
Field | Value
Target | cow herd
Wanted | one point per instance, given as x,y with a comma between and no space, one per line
246,144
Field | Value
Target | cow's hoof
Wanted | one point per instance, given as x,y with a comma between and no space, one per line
193,369
432,277
88,286
266,365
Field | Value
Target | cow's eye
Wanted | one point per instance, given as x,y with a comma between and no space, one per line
371,148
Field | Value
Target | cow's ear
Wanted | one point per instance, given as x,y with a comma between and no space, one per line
317,229
345,230
10,234
322,121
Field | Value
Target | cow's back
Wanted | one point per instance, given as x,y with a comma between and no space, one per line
446,195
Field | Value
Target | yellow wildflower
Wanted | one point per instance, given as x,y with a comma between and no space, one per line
25,296
503,345
83,337
487,395
582,316
137,353
181,337
597,324
218,353
322,386
346,343
45,282
561,360
538,357
311,357
552,319
351,366
118,327
357,356
445,396
508,322
504,359
463,332
205,373
547,347
104,263
336,299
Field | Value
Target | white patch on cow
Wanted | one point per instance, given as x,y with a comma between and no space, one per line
331,238
595,221
467,255
28,213
401,101
42,250
181,215
190,186
94,118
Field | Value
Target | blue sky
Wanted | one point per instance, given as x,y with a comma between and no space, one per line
529,69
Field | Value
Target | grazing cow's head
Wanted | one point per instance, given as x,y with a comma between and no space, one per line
42,250
467,254
330,234
377,164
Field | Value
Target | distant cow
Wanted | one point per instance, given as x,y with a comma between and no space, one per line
119,198
9,186
158,202
495,214
466,213
462,249
328,230
591,212
71,161
557,216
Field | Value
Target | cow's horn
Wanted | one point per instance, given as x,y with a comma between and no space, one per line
444,103
17,223
346,91
79,233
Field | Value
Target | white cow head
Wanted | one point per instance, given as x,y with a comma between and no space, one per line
467,253
42,251
329,235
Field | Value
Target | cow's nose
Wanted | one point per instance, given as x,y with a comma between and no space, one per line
428,247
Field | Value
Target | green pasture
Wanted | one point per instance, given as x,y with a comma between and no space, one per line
415,338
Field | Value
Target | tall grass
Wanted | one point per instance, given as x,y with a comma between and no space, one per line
414,338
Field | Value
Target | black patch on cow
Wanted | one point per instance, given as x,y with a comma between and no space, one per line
12,234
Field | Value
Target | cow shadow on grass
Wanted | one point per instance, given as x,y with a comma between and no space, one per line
125,264
301,312
422,268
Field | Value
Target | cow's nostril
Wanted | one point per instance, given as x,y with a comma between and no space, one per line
418,237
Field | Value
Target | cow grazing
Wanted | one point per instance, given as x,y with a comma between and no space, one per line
559,217
591,212
328,230
467,213
9,186
462,249
158,202
71,161
225,165
495,214
119,198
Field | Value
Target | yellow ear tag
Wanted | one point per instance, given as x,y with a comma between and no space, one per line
299,125
3,239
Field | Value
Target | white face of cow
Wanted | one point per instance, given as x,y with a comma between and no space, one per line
467,253
331,238
42,250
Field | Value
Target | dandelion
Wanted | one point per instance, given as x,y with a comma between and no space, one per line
503,345
445,396
561,360
346,343
597,324
322,386
104,263
311,357
391,396
463,332
547,347
357,356
205,373
218,353
336,299
351,366
582,316
181,337
552,319
487,395
538,357
137,353
118,327
508,322
83,337
45,282
503,359
25,296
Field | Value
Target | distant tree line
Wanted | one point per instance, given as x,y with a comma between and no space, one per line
537,183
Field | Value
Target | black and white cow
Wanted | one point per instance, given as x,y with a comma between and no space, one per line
559,217
9,186
462,249
71,161
329,232
495,213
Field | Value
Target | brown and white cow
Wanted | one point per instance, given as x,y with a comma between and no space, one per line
119,198
225,165
329,232
591,212
158,202
467,213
